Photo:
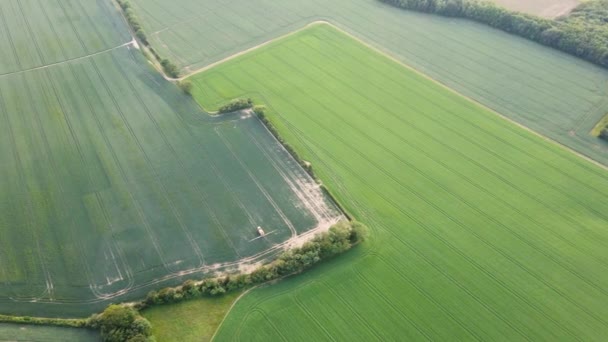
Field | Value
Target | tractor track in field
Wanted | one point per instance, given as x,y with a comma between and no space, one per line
132,42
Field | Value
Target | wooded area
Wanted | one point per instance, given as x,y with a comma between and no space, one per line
582,33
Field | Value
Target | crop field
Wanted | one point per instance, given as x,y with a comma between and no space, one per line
543,8
33,333
550,92
35,33
481,229
113,181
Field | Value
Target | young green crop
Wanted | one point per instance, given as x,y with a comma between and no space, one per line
481,230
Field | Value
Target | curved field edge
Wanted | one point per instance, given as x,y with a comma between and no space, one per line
453,194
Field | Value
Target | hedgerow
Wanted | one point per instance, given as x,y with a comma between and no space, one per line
168,67
235,105
338,239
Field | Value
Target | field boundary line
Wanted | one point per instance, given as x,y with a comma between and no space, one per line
230,309
132,42
403,64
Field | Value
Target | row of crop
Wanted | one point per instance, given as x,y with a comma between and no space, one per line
587,39
169,68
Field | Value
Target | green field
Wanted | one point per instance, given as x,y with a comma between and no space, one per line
113,182
192,321
481,230
555,94
33,333
35,33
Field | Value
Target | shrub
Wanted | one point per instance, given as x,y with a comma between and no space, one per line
120,323
169,68
186,86
235,105
604,133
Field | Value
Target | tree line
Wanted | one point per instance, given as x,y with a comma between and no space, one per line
338,239
582,33
170,69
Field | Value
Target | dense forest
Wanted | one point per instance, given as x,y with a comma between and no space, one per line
583,33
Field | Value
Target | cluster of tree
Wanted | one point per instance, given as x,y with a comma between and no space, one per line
121,323
170,69
339,238
235,105
133,21
583,33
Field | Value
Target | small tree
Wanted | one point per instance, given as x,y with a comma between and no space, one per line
186,86
604,133
169,68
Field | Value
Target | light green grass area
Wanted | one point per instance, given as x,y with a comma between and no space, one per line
35,333
112,181
191,321
555,94
481,230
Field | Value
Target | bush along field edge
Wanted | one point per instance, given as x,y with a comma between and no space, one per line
167,68
601,128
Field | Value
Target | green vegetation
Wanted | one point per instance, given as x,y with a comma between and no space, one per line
60,322
235,105
190,321
584,33
113,182
21,332
481,230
